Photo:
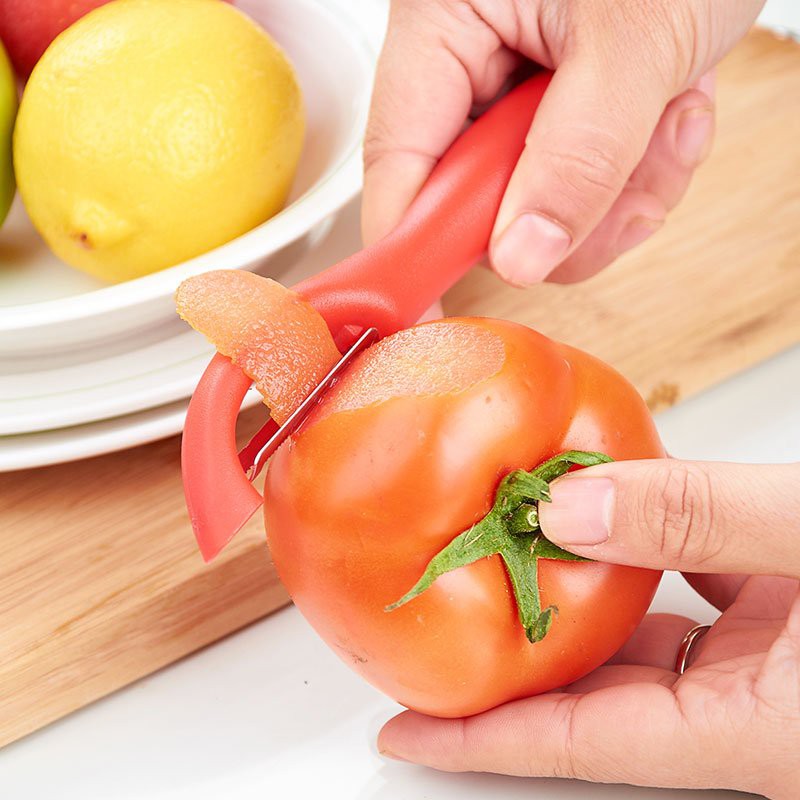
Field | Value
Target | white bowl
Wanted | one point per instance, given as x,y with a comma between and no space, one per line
47,307
157,366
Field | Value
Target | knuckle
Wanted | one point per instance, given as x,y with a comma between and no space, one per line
588,171
449,745
685,37
381,143
654,37
463,736
678,514
563,764
375,143
573,757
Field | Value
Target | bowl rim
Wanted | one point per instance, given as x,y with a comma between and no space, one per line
338,185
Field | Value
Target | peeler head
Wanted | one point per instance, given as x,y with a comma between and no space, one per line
270,437
217,481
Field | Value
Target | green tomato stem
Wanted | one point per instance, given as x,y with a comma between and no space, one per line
511,530
524,520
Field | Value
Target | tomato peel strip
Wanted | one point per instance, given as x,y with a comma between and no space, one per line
278,339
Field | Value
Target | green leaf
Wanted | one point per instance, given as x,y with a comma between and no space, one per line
486,538
522,567
542,625
520,486
544,548
511,529
559,465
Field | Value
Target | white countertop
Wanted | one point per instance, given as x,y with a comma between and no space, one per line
271,712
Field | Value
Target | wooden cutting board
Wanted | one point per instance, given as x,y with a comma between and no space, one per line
100,581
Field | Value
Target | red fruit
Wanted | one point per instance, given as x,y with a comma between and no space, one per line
402,456
27,28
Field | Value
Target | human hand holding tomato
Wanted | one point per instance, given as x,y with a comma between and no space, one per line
732,720
628,117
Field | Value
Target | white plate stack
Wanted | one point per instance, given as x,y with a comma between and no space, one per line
87,368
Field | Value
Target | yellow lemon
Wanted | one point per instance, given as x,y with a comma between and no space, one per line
154,130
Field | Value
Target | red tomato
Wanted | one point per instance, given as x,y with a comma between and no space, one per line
406,453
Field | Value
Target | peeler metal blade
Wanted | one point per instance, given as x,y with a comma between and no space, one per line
270,437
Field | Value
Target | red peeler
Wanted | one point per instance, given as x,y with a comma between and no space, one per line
376,292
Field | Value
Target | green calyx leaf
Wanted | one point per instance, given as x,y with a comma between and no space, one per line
511,530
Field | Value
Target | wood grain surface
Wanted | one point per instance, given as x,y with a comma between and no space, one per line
100,581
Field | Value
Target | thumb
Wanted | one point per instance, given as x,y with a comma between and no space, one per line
682,515
589,133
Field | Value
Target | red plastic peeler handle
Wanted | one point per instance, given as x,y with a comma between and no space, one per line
387,286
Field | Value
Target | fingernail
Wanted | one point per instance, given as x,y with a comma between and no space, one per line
389,754
529,249
580,513
636,231
693,138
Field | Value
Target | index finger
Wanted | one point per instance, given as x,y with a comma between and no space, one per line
422,97
586,736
